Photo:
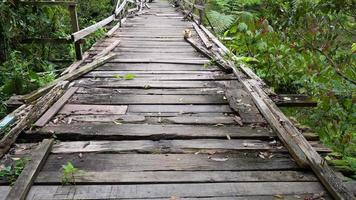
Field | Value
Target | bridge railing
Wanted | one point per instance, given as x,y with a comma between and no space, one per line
121,10
192,8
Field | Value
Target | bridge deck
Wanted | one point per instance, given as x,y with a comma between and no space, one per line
175,131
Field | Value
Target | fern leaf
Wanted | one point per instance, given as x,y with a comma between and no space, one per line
220,21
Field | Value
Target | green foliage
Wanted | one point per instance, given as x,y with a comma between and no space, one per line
302,46
69,172
11,172
25,67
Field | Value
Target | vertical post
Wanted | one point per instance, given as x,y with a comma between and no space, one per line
201,11
75,28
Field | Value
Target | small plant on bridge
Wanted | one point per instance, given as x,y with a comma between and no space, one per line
12,172
69,172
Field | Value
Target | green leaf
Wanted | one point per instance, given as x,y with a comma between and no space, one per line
242,27
129,76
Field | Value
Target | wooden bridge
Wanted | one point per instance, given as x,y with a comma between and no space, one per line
147,115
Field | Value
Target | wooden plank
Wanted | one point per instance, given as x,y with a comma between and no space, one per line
92,109
31,114
47,116
294,100
92,162
168,61
164,77
121,7
202,36
166,191
154,67
24,182
107,49
180,176
88,30
113,29
104,118
136,99
68,77
135,83
211,55
180,109
111,130
175,146
242,103
107,91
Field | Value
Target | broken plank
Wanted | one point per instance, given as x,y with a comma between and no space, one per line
202,36
31,114
24,182
55,107
179,109
92,109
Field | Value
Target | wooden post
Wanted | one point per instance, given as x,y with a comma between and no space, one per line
75,28
201,11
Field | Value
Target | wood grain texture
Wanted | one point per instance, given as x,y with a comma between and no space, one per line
24,182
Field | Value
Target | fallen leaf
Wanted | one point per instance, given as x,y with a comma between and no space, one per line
80,155
219,124
278,196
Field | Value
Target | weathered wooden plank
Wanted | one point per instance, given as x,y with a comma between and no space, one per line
148,191
294,100
164,77
174,146
31,114
202,36
170,162
117,83
24,182
107,91
136,99
180,176
242,103
179,109
55,107
88,30
111,130
154,67
198,61
103,118
104,131
92,109
107,49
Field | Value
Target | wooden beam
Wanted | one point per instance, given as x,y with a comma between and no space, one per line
294,100
202,36
24,182
107,49
302,152
31,114
68,77
44,119
75,28
88,30
219,61
120,8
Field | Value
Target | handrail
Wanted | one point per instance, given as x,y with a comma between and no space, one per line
119,12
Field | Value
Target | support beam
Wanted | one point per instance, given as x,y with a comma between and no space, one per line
75,28
24,182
